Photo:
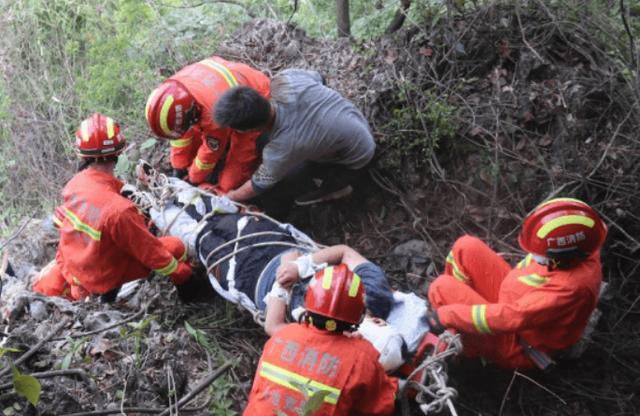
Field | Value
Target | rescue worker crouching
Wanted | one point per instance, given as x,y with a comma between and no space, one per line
181,110
519,317
319,355
104,241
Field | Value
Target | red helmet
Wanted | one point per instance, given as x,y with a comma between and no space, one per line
336,292
167,108
99,136
562,225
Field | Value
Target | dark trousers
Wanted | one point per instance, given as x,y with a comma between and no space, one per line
277,201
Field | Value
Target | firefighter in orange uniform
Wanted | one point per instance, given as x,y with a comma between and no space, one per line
181,109
318,355
104,241
521,317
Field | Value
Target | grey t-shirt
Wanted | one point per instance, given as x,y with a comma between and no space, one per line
313,123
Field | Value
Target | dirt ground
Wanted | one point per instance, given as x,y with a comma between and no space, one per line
477,119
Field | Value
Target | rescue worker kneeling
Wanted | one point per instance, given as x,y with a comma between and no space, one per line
104,241
518,318
321,356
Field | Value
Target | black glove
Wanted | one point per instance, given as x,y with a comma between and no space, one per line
435,326
110,296
190,290
179,173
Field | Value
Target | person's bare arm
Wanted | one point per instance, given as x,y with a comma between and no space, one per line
275,316
243,193
339,254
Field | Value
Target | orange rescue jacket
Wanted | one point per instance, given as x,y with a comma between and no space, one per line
205,143
547,309
104,241
346,368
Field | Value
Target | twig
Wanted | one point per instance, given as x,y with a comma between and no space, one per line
524,39
632,44
201,386
17,233
516,372
36,347
108,327
613,137
50,374
626,234
506,393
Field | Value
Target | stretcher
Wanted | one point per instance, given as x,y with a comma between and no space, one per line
407,348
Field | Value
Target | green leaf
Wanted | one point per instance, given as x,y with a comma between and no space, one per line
66,361
4,350
148,143
191,330
26,386
123,166
314,402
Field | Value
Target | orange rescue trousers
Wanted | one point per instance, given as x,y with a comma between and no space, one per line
51,282
496,306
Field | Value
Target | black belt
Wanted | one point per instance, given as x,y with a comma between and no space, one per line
541,359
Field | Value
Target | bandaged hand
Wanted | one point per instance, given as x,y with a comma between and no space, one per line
287,274
307,267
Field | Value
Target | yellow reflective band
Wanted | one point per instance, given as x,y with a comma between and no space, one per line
110,129
525,261
456,271
287,379
204,166
84,130
169,268
355,285
76,281
78,225
181,142
164,115
479,317
561,200
56,221
184,256
533,280
148,105
222,70
562,221
327,278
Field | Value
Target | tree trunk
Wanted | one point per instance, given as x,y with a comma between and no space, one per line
398,19
342,18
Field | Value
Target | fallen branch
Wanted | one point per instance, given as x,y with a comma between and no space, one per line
35,348
17,233
197,389
114,325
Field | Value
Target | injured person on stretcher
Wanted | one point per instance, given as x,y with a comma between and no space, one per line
246,253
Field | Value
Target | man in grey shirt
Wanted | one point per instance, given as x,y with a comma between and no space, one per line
311,132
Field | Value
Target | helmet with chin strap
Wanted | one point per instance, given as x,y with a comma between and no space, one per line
337,294
562,228
170,110
98,137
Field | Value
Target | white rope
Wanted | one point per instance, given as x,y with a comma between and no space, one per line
434,396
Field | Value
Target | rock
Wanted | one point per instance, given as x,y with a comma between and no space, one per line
417,250
38,310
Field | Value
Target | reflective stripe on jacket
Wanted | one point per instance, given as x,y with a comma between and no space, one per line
104,241
204,144
346,370
548,309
